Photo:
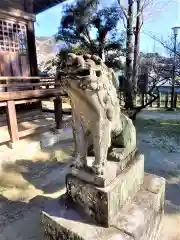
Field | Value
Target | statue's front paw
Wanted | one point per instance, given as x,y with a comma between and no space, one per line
98,170
117,154
78,163
75,154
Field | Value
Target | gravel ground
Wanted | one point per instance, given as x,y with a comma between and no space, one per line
154,114
33,183
158,139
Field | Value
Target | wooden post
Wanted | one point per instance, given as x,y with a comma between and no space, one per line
31,42
166,100
135,99
12,121
151,105
120,97
142,99
159,101
58,111
32,49
175,100
146,98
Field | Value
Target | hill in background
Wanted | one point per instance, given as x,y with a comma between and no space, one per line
46,48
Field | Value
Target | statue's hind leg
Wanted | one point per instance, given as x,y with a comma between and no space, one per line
124,143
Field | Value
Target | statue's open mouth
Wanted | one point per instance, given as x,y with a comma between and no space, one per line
83,72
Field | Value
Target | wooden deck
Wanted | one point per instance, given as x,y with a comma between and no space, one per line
16,91
27,122
32,122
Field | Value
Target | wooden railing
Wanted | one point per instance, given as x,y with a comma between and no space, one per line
18,90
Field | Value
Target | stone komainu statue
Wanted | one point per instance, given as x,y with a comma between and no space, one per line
97,116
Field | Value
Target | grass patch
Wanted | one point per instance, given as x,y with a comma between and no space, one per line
160,133
170,127
161,110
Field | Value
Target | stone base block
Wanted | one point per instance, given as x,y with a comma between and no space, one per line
137,220
102,204
112,170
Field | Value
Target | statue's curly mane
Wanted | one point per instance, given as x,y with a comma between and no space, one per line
90,73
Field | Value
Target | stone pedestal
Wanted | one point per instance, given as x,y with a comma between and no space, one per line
103,204
112,170
130,207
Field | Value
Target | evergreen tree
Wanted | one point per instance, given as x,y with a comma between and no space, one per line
93,30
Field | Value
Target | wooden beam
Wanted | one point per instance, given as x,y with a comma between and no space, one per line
24,117
26,78
34,130
32,48
30,131
58,111
11,85
18,95
12,121
18,14
18,102
29,6
42,5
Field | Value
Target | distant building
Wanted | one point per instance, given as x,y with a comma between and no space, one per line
166,88
119,73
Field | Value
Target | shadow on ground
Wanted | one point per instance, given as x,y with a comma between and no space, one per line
20,220
29,186
46,176
45,172
159,141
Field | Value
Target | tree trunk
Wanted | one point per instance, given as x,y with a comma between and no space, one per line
166,100
175,100
159,101
151,105
101,51
136,47
129,57
102,55
142,99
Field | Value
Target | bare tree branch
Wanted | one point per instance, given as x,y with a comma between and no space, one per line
123,9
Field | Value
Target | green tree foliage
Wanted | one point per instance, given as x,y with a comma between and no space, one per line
61,57
92,30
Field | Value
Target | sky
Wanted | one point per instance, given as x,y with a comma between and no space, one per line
159,18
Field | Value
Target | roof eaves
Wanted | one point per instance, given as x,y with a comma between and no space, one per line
42,5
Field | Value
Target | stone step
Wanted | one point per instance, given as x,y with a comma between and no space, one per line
139,219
